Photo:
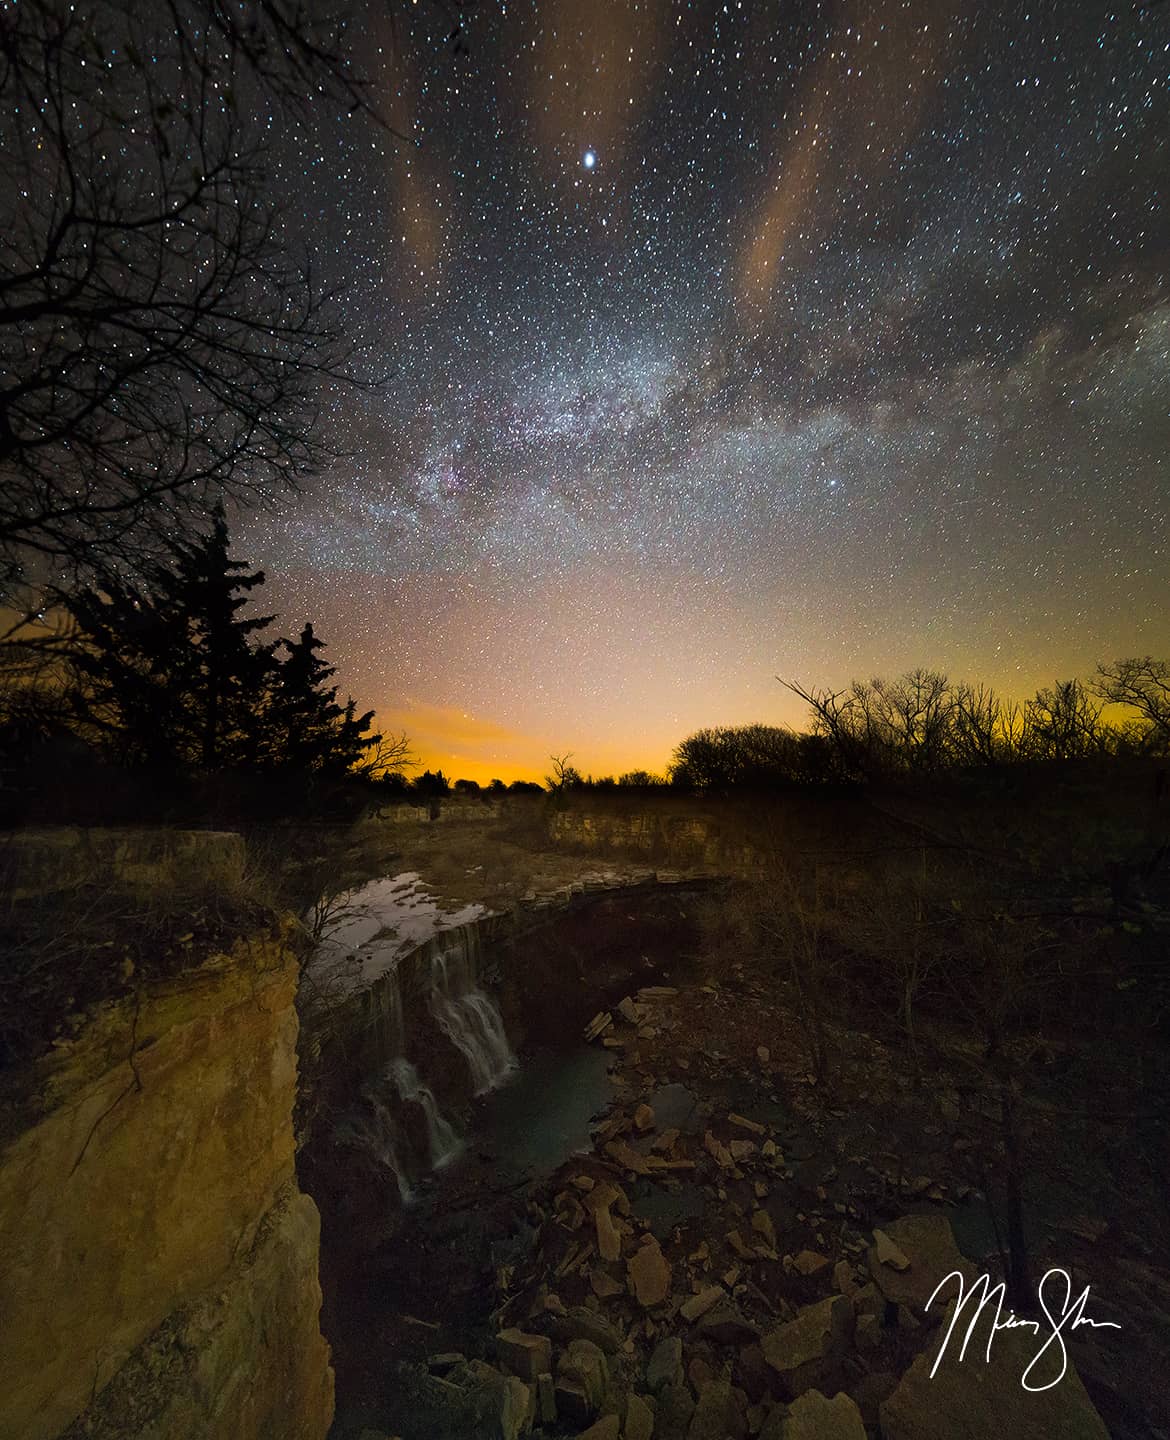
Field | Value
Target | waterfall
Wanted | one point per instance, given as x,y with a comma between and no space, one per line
443,1142
377,1129
380,1125
470,1018
374,1130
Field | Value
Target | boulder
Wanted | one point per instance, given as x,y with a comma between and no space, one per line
753,1374
699,1304
639,1419
869,1300
814,1417
809,1262
604,1286
718,1151
517,1410
606,1193
927,1246
480,1401
807,1351
526,1356
675,1408
718,1414
979,1399
887,1253
643,1118
725,1325
546,1400
843,1279
762,1225
649,1272
572,1403
870,1390
440,1364
665,1367
745,1252
598,1025
584,1365
607,1428
700,1373
627,1157
581,1323
609,1240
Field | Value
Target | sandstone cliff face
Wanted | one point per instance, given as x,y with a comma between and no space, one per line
159,1272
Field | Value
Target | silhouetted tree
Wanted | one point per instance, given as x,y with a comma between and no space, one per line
171,672
1063,723
162,338
640,780
752,756
564,776
984,730
911,719
1143,684
173,675
431,784
305,728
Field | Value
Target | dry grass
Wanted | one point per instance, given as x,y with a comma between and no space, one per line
104,927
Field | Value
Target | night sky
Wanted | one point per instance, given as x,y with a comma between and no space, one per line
734,341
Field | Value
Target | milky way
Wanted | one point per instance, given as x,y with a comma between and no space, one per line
730,341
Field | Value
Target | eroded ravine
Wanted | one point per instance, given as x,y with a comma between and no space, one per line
443,1073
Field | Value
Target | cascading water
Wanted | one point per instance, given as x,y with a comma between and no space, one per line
376,1126
442,1140
470,1018
373,1129
385,1124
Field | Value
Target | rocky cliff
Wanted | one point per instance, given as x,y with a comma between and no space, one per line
660,835
160,1264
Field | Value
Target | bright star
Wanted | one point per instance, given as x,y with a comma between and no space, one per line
589,159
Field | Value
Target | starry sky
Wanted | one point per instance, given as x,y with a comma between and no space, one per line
731,341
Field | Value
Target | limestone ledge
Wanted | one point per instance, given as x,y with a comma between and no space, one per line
682,840
162,1142
248,1360
43,861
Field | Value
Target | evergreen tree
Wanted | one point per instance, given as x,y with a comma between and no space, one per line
173,675
177,677
222,673
308,729
126,699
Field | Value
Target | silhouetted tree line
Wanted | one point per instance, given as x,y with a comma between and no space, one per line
494,789
173,677
922,723
567,778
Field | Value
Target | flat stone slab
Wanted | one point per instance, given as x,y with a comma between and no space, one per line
927,1243
972,1398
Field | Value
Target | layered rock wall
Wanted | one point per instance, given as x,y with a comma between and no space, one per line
159,1273
659,835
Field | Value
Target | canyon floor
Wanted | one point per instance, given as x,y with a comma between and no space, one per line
665,1222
